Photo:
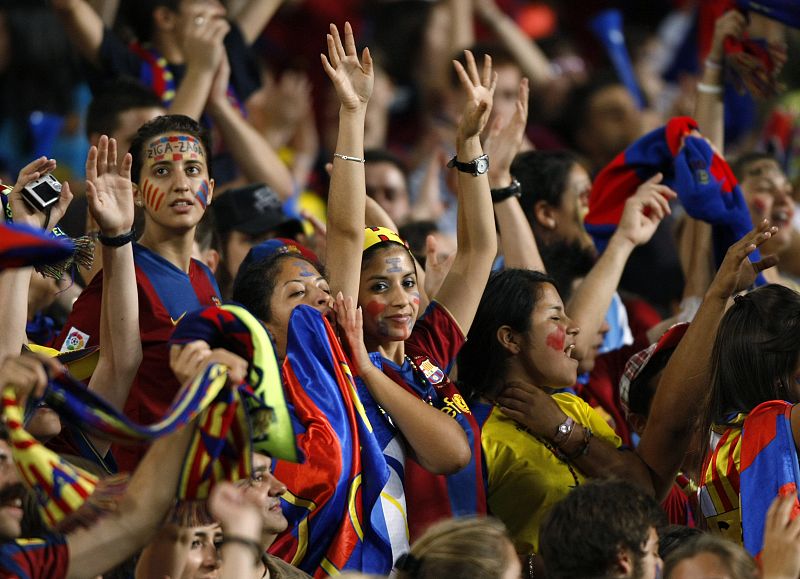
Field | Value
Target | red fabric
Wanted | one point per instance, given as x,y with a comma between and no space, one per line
678,507
46,558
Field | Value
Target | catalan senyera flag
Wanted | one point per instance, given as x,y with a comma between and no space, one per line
333,502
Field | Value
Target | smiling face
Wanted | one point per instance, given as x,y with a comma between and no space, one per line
769,194
174,186
388,295
264,483
545,350
296,282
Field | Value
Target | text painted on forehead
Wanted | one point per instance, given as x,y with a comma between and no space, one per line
175,148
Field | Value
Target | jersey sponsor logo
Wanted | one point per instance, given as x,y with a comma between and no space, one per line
76,340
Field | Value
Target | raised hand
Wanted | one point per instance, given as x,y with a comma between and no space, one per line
27,374
737,272
780,558
505,140
479,90
218,95
353,80
109,189
186,361
644,210
436,266
24,213
203,38
350,320
233,507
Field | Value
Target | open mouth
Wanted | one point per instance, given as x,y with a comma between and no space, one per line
181,203
569,350
11,497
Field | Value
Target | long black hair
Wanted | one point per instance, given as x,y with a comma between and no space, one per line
755,353
508,300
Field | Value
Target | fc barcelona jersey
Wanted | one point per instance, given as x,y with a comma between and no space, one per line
166,294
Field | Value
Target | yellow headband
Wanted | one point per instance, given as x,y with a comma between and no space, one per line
376,235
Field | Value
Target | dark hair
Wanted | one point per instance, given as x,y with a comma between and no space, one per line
385,156
543,177
575,113
583,534
755,352
114,98
565,261
736,560
206,234
743,162
674,536
255,284
139,15
641,391
508,300
160,126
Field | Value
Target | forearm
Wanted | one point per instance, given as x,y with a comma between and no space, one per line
346,206
436,439
166,554
474,205
192,94
84,27
238,558
709,109
516,237
428,205
591,300
14,289
683,387
121,346
254,17
251,151
528,55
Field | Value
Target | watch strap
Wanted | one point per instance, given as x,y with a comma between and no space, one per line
503,193
470,167
563,431
119,240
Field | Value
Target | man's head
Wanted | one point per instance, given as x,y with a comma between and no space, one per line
710,556
603,529
246,216
149,18
387,183
119,109
11,491
263,482
601,119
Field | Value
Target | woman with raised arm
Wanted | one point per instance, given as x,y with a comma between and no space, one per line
417,354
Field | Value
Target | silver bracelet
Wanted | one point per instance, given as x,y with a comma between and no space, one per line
709,88
713,65
349,158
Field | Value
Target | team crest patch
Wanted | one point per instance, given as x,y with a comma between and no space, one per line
433,373
216,301
76,340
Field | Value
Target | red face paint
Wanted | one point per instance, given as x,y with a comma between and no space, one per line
556,339
375,308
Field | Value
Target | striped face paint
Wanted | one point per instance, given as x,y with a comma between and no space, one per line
202,194
152,195
175,148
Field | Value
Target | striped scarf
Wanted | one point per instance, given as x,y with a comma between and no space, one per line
220,449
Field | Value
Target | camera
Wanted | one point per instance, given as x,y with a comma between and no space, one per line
42,193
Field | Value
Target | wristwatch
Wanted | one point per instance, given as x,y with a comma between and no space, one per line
503,193
563,431
477,166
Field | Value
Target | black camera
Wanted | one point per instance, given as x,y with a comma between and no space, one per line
42,193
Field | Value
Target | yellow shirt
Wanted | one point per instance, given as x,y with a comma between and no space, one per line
525,478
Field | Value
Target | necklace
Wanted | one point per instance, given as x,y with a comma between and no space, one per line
561,458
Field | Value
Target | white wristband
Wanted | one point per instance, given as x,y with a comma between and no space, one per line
709,88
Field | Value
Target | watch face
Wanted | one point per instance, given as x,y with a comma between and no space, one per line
481,165
564,429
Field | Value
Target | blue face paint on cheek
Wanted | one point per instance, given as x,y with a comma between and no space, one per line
202,194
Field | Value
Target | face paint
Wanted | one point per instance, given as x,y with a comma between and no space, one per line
175,146
202,194
556,339
375,308
394,265
304,271
415,298
153,196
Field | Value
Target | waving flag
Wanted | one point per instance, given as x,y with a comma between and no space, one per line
334,499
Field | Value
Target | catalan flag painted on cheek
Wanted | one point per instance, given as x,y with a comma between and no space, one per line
333,501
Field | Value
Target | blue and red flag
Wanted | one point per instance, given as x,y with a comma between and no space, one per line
22,246
702,179
338,520
768,469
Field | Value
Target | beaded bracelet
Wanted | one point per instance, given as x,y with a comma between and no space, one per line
349,158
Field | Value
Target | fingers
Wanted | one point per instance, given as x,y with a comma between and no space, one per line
366,61
654,179
34,170
462,74
487,71
349,40
125,168
91,164
337,42
102,155
524,98
333,54
472,68
112,154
